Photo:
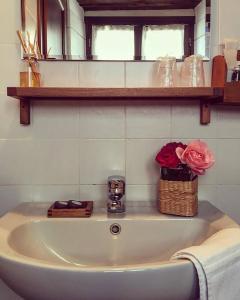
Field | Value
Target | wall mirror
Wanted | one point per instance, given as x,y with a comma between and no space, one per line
117,30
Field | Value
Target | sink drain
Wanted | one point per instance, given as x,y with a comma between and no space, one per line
115,229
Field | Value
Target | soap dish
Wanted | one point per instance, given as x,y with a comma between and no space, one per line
70,209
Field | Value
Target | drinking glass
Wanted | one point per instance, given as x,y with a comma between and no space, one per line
166,72
192,72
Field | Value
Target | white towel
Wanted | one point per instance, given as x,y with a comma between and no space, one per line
217,261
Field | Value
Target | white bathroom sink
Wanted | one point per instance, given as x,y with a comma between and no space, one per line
49,259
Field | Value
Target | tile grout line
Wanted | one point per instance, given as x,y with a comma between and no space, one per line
125,74
125,141
125,127
79,136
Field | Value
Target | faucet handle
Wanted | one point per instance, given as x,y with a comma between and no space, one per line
116,185
116,194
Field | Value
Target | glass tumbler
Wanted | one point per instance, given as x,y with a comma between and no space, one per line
192,72
166,72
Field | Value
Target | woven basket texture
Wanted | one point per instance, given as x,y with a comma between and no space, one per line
178,197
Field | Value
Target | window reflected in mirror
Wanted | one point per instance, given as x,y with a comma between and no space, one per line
165,40
113,42
108,30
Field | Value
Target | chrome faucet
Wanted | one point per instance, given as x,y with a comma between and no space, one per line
116,194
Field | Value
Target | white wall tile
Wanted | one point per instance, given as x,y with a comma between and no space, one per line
95,192
54,162
9,66
228,15
10,16
140,74
139,192
101,74
141,167
55,119
102,120
228,200
15,162
12,195
207,193
228,166
228,122
210,177
144,121
100,159
52,193
10,122
186,122
59,74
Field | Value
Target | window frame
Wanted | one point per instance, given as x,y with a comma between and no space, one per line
138,23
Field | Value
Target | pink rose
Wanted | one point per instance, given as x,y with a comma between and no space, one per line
197,156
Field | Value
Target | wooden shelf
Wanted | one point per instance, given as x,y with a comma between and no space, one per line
55,93
205,95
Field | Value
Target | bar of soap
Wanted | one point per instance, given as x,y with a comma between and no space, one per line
77,204
61,204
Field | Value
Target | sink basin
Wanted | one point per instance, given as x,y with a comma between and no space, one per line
72,259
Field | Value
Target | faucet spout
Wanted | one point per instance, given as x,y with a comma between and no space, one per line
116,194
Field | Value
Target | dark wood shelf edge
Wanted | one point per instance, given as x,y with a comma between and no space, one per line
56,93
206,96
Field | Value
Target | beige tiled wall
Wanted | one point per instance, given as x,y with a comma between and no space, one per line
70,148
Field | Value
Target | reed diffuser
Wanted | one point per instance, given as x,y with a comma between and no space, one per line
29,74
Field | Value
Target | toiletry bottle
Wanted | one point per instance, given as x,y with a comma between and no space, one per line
236,74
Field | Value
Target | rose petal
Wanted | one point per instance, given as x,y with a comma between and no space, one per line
179,152
198,171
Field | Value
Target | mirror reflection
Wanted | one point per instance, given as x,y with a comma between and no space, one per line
117,30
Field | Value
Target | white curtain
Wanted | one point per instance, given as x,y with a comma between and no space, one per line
114,42
162,40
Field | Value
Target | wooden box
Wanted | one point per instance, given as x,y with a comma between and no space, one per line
83,211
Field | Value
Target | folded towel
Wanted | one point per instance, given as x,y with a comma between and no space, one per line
217,261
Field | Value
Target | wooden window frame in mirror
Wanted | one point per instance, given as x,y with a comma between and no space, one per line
46,48
138,23
42,28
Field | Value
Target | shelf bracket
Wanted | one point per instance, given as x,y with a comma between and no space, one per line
24,112
205,112
203,95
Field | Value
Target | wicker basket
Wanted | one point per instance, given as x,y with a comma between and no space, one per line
178,197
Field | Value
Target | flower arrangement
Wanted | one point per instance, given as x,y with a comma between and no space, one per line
180,166
179,161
